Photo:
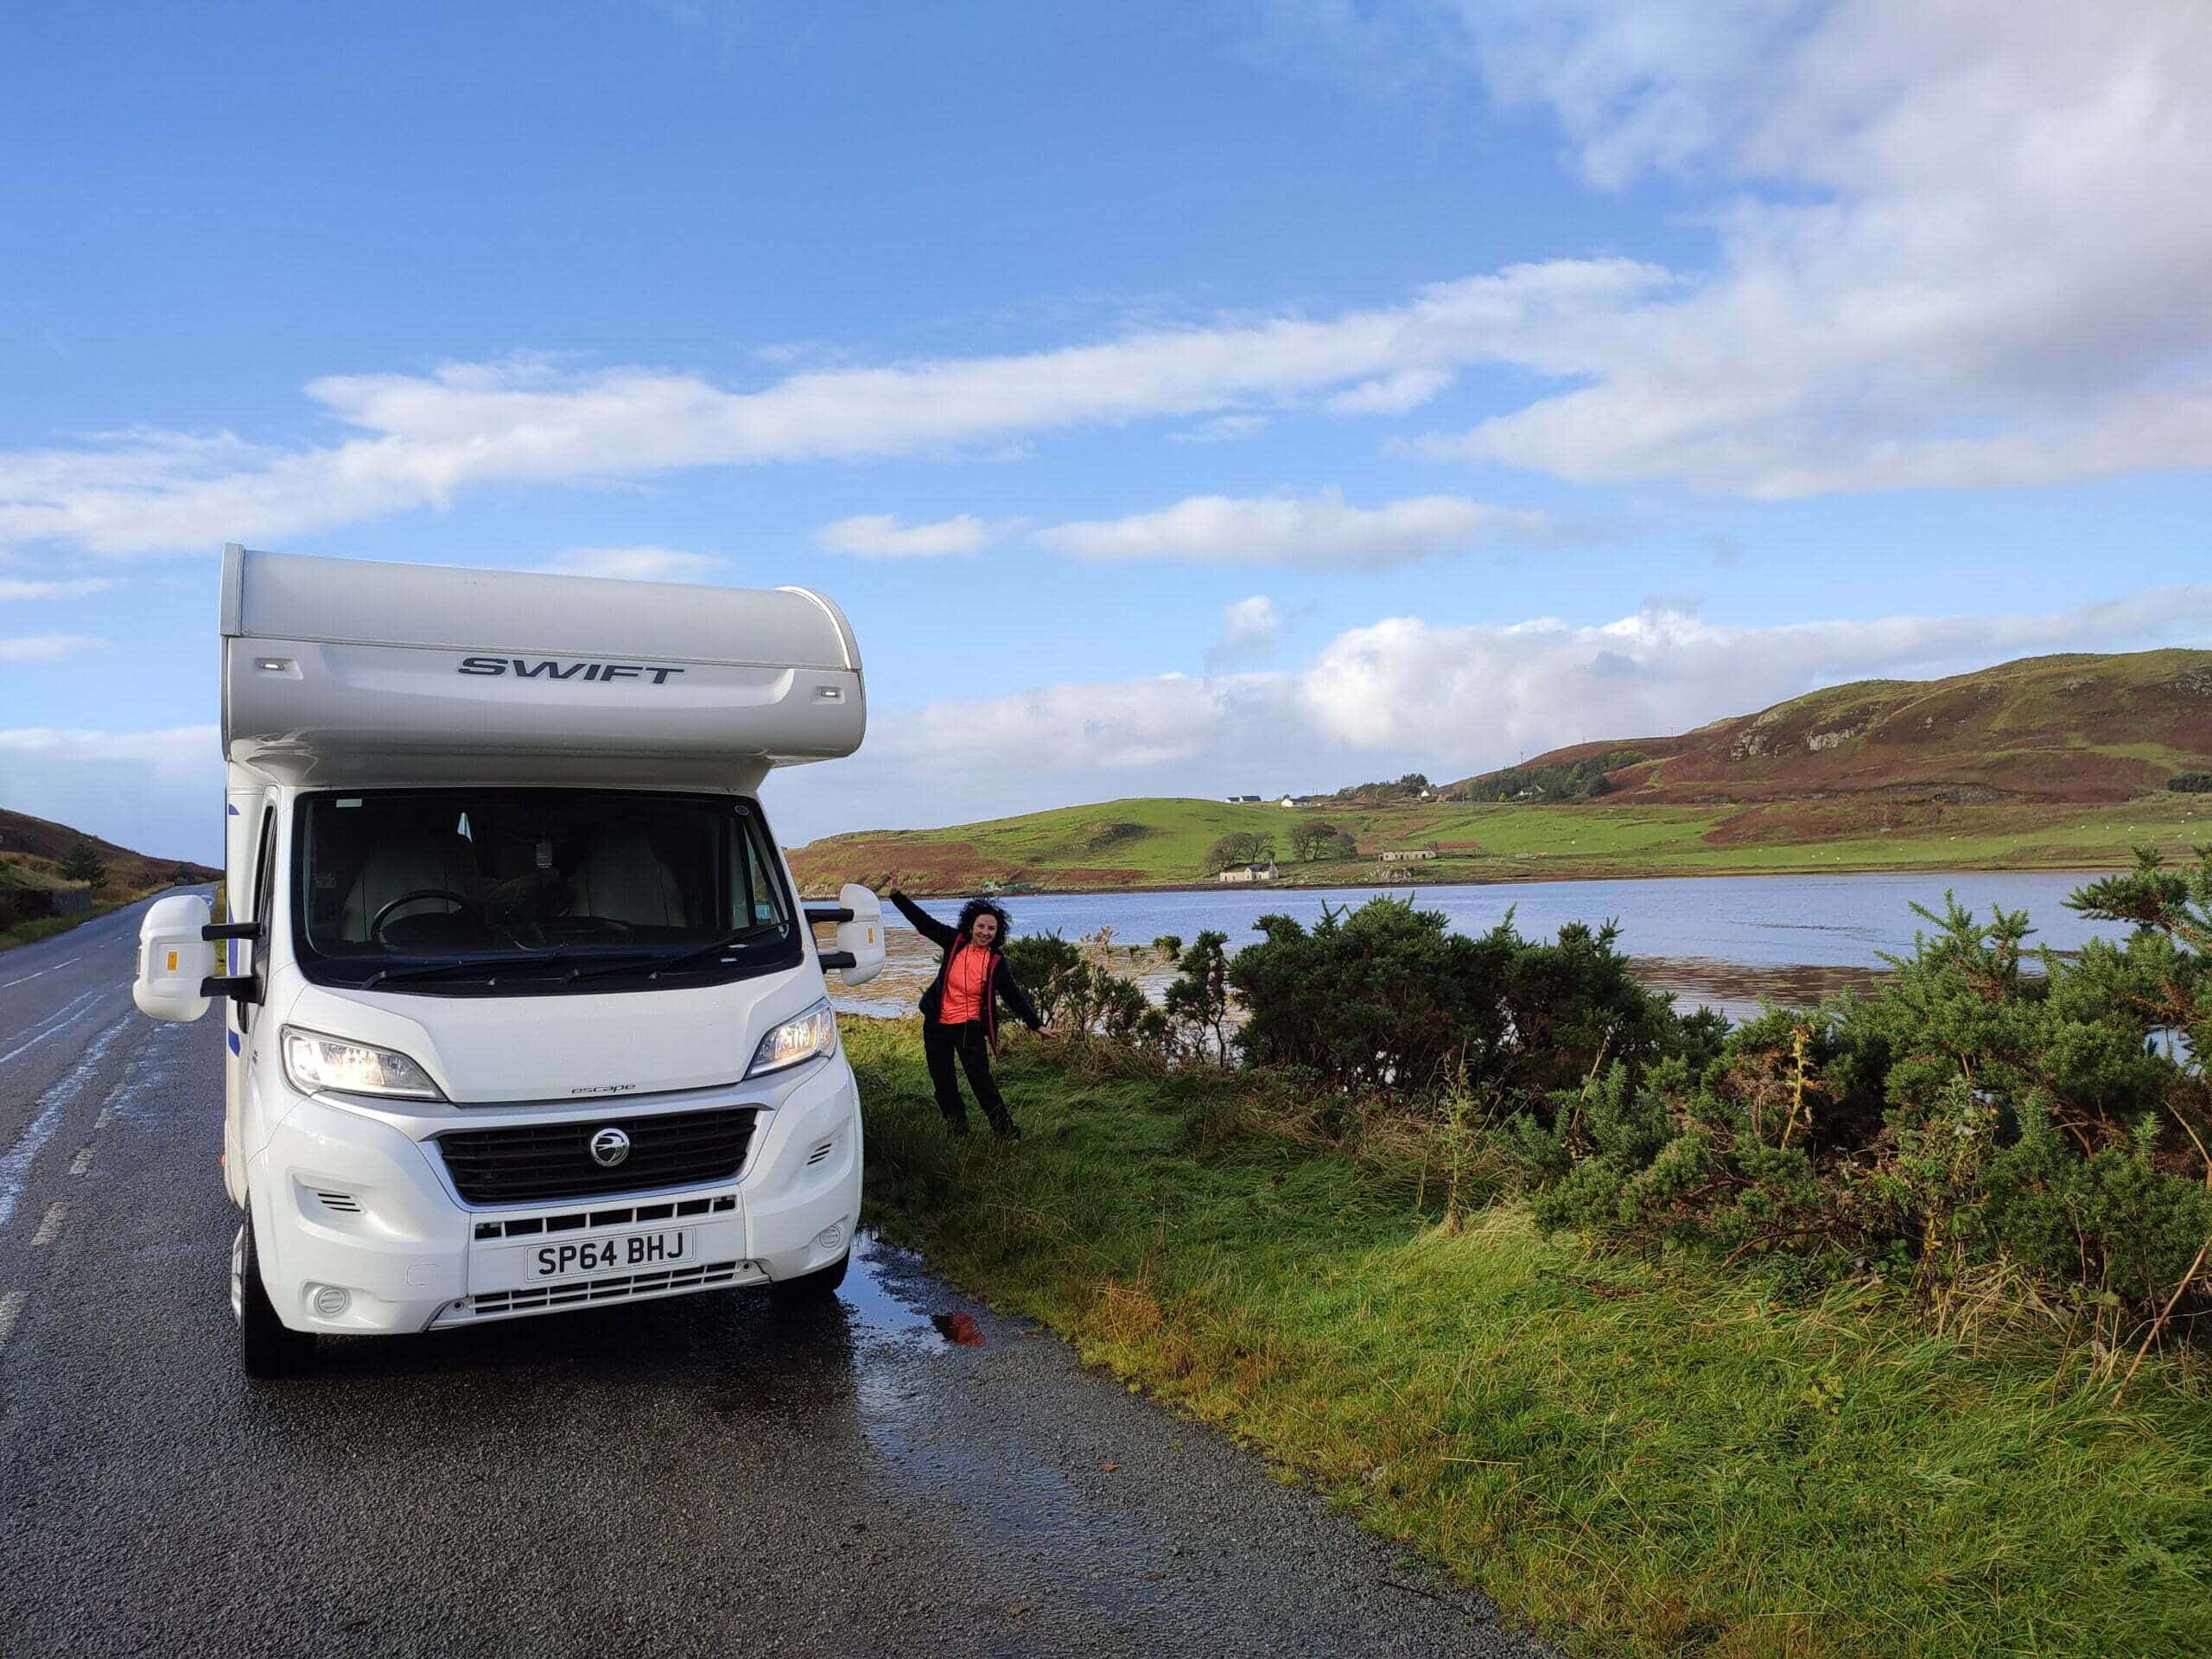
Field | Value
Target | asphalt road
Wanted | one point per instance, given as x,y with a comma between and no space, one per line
693,1475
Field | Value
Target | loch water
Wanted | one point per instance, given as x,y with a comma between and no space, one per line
1722,941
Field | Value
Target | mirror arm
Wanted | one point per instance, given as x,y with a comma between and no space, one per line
828,913
239,987
838,959
232,931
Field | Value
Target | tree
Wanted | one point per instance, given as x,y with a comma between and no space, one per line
1239,847
1315,837
82,863
1169,945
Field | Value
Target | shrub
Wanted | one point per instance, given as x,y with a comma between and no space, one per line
1043,964
1384,995
1971,1114
2190,782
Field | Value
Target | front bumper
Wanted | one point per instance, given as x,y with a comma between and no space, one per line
348,1198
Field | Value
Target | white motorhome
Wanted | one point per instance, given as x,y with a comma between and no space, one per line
521,1012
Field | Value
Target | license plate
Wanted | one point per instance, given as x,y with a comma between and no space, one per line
590,1256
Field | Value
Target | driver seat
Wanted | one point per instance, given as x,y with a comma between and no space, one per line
406,864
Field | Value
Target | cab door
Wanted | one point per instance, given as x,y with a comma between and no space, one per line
249,881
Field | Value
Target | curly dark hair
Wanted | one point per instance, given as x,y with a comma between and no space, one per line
966,925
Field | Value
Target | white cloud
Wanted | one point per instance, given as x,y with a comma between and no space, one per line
1251,631
1968,247
1405,693
11,588
881,535
642,563
1316,532
45,647
176,748
1392,395
424,440
1223,429
157,791
1958,244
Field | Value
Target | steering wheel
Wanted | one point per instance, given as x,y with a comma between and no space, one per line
376,922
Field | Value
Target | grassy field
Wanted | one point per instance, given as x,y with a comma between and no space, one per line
1162,842
1634,1457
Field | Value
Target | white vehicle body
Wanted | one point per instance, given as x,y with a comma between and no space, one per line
422,1092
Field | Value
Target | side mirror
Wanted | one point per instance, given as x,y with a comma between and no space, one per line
861,939
173,958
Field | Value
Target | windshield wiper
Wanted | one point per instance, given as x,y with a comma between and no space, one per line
683,958
485,968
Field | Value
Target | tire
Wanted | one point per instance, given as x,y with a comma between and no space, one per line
816,1287
268,1349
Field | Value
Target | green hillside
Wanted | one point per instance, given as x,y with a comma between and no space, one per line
2053,763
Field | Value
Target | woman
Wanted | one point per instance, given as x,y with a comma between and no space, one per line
960,1009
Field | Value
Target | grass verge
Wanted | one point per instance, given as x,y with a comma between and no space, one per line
1634,1457
45,927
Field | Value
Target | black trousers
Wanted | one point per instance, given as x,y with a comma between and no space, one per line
939,1043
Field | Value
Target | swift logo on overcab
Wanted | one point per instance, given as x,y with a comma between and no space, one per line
547,668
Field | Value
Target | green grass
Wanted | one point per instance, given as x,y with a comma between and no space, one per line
1634,1457
45,927
1063,847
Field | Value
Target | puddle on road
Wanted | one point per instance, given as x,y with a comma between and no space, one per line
876,1309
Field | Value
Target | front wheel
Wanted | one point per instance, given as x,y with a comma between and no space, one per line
268,1348
815,1287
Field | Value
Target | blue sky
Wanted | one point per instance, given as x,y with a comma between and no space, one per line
1194,399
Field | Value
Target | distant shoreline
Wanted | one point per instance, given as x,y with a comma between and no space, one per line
1959,866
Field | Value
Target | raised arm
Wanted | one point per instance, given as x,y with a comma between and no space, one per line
938,933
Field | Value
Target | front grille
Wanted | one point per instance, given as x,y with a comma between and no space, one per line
541,1162
536,1298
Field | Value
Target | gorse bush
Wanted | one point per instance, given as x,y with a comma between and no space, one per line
1970,1116
1386,997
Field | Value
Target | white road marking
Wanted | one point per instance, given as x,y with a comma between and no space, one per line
11,1307
15,1166
53,1023
106,1117
81,1163
50,1229
42,973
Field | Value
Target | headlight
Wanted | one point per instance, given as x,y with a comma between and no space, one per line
313,1061
813,1032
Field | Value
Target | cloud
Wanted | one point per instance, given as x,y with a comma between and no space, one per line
46,647
881,535
1406,693
424,441
1251,631
1223,429
10,588
1393,395
1955,245
153,791
1961,245
1316,532
643,564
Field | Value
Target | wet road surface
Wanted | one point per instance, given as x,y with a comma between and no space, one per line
690,1475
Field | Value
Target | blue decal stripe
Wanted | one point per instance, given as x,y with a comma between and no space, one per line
234,1042
229,811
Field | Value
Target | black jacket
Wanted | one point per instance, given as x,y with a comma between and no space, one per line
947,940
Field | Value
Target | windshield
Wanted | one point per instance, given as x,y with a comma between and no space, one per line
461,891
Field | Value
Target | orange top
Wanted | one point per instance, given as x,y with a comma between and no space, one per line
967,986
